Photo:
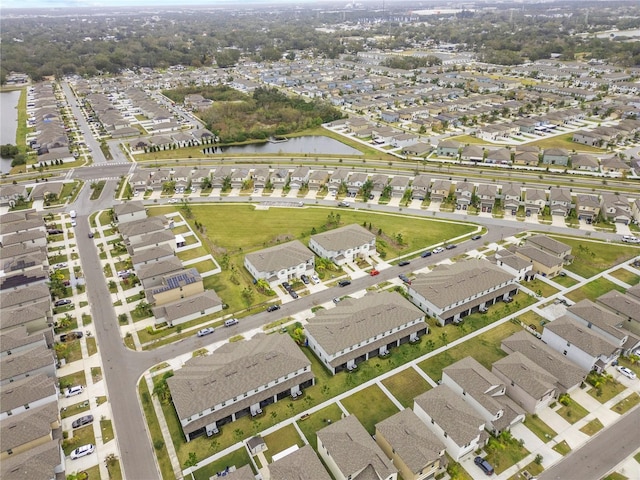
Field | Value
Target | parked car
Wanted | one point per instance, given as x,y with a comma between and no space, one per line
82,451
627,372
286,286
374,272
438,250
293,294
344,283
73,391
404,263
315,279
425,254
450,246
484,465
90,234
273,308
230,322
62,302
205,331
336,300
82,421
404,278
344,204
66,337
507,300
476,237
304,279
58,266
173,200
630,239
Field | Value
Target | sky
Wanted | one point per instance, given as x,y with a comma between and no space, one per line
38,4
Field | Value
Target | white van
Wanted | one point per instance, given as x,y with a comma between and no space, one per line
72,214
230,322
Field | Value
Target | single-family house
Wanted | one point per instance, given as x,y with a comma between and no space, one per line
175,286
10,193
464,195
615,208
417,149
581,345
454,422
27,363
27,393
379,182
535,199
236,380
625,305
300,464
485,392
261,177
299,177
239,177
399,185
349,452
587,207
139,181
360,329
449,148
440,190
355,182
344,244
635,210
131,211
221,176
487,194
415,451
500,156
317,179
585,162
614,166
182,178
281,262
511,197
187,308
478,284
559,201
472,153
337,178
420,187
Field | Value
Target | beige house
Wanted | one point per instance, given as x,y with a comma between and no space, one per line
175,287
415,451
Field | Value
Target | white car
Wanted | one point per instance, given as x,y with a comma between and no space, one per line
205,331
315,279
87,449
438,250
173,200
630,239
627,372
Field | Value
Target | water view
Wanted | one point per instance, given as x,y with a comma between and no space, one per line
8,123
312,145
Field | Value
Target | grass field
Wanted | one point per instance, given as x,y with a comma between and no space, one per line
237,458
541,288
81,436
562,448
626,403
592,257
606,390
161,452
406,385
543,431
484,348
322,418
593,290
281,440
564,141
232,231
572,412
533,469
593,427
360,404
626,276
504,451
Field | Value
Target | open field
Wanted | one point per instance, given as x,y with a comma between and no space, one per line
564,141
592,257
360,404
406,386
593,290
484,348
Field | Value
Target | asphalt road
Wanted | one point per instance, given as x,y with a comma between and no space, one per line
600,454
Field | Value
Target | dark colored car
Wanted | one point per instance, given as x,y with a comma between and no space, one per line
476,237
82,421
273,308
404,278
304,279
404,263
484,465
426,253
293,294
286,286
344,283
62,302
451,246
90,234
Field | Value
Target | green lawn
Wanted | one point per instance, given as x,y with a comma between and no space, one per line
534,469
397,234
593,427
317,421
626,404
572,412
77,378
603,390
371,406
162,454
504,451
593,257
564,141
238,458
543,431
281,440
406,385
532,318
593,290
106,428
70,351
74,409
615,476
562,448
626,276
624,361
81,436
204,266
484,348
540,288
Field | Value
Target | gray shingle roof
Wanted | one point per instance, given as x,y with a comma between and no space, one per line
31,425
151,254
456,417
26,390
278,257
129,207
38,463
353,450
411,440
598,316
448,284
22,315
479,382
187,306
626,305
303,464
526,374
349,236
564,370
548,243
582,337
232,370
357,320
18,337
163,267
535,254
140,227
25,361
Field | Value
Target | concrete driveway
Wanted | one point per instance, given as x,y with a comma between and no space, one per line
558,221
